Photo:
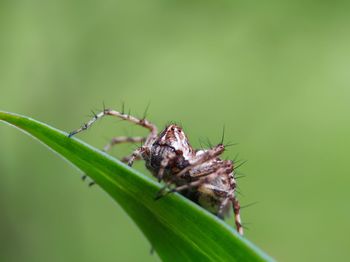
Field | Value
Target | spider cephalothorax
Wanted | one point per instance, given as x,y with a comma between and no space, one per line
199,175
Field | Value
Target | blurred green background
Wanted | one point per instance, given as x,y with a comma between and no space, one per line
276,73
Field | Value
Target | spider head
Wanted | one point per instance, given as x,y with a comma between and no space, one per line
173,136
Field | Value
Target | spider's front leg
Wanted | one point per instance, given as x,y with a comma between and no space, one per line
163,192
110,112
141,122
202,158
123,139
164,164
200,178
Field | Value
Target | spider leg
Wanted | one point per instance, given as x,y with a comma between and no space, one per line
127,158
196,177
109,112
206,156
83,177
123,139
142,122
118,140
162,193
219,167
203,178
165,162
188,185
236,208
137,154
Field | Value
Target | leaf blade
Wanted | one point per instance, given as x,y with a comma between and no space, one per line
176,227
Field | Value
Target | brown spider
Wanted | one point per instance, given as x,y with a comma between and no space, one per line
199,175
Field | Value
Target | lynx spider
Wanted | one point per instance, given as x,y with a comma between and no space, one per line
199,175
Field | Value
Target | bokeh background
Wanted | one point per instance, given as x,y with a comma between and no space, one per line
275,73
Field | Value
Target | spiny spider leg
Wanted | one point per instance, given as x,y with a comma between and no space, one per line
204,178
206,156
123,139
127,158
165,162
236,208
109,112
162,193
137,154
188,186
168,184
215,168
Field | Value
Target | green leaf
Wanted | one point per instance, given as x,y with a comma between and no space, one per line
177,228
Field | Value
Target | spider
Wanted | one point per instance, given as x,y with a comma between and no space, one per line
199,175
